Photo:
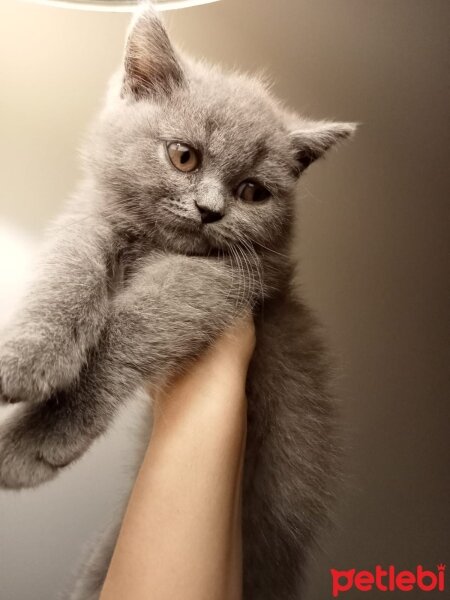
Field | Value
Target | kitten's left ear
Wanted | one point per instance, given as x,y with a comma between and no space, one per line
151,66
311,140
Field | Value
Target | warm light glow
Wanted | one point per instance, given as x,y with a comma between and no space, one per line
120,6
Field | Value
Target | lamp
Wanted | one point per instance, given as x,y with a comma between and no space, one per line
120,5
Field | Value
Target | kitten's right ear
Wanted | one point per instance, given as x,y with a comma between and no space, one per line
312,139
151,67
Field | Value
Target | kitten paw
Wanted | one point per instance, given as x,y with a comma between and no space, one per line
4,398
26,372
35,444
20,466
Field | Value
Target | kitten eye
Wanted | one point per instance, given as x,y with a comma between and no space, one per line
250,191
183,157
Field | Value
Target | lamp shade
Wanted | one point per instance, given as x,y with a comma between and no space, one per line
121,5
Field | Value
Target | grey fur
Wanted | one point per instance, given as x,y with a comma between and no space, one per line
133,287
90,581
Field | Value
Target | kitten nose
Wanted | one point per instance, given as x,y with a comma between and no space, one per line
207,214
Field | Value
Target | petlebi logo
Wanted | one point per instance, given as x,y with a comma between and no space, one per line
388,580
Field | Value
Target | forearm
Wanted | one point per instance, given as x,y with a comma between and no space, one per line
71,284
181,534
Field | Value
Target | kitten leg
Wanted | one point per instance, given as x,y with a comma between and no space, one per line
291,455
93,572
45,346
172,309
40,439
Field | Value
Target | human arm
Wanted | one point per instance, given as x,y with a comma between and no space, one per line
181,535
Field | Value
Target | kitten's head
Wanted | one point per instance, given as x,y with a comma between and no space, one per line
201,159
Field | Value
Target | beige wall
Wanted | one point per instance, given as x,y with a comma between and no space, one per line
372,246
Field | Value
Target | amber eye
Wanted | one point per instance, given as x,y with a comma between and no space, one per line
183,157
250,191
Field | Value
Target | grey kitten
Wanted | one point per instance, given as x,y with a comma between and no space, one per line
183,221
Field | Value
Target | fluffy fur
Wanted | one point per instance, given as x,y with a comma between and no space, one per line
133,286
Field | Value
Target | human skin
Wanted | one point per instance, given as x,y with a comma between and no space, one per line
181,534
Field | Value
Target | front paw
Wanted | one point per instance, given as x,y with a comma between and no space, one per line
27,370
4,398
36,443
20,463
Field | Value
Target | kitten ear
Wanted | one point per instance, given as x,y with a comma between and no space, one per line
311,140
151,67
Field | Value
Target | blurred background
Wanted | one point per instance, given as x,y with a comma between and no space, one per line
372,244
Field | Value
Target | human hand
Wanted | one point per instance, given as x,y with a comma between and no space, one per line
220,373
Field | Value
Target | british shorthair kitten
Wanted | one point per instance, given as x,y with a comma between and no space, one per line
182,222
